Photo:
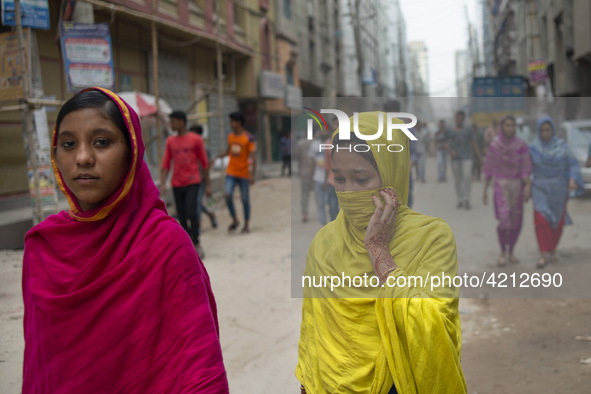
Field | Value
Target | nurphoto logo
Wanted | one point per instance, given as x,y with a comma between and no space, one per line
345,129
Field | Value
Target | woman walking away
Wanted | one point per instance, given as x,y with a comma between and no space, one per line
509,163
116,298
362,337
556,173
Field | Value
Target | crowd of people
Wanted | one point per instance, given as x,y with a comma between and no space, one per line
544,170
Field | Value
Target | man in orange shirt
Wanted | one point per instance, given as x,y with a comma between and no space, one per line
241,148
186,150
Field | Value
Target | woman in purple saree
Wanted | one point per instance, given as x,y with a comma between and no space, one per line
509,163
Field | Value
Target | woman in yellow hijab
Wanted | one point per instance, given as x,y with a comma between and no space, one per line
360,336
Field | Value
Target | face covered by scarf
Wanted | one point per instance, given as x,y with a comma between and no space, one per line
393,167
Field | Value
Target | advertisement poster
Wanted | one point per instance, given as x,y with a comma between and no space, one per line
11,79
47,184
34,13
88,55
537,71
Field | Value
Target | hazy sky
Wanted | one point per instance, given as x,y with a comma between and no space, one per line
442,25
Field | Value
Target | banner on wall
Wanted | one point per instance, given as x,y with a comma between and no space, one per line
88,55
11,69
34,13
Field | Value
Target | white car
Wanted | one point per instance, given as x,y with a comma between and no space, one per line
577,134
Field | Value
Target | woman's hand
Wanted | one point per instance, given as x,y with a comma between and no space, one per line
572,185
526,192
380,231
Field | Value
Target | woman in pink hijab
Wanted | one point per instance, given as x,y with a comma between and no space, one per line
509,163
116,298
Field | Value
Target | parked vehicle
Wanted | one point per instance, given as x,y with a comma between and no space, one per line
577,134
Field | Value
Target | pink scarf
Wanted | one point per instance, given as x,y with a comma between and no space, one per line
116,299
507,158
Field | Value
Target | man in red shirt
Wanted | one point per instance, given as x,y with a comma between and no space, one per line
241,148
186,150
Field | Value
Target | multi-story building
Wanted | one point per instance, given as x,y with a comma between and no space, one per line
556,32
420,58
360,52
318,47
392,48
188,35
280,110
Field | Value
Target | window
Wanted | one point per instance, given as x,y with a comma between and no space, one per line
289,74
287,8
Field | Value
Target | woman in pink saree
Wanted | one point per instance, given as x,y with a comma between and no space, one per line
509,163
116,298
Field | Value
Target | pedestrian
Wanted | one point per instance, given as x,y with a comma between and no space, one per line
556,172
319,174
509,163
490,133
394,106
460,144
373,338
331,195
440,136
523,131
305,173
116,298
422,143
187,151
241,168
202,208
476,162
285,151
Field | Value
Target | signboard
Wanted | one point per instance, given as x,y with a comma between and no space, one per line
42,149
495,97
34,13
293,97
11,70
537,71
271,85
88,55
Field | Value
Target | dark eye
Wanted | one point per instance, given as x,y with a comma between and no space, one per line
364,180
102,142
339,179
67,144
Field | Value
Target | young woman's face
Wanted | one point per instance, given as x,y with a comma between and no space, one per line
546,132
352,172
92,156
509,128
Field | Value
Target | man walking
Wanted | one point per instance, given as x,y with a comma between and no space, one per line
421,144
440,136
241,149
186,150
460,145
305,172
201,208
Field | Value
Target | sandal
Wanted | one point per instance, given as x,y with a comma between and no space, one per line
245,230
542,262
233,227
501,262
513,259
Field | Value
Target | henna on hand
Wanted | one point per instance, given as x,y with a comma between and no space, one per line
379,233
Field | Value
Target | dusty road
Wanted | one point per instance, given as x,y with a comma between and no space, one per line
524,344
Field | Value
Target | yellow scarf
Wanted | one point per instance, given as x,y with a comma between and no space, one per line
366,339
